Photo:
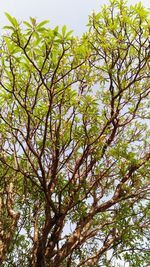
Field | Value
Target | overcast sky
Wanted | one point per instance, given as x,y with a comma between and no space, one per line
73,13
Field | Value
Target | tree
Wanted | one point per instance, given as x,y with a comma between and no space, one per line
74,187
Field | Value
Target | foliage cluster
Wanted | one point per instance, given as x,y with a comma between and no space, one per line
74,141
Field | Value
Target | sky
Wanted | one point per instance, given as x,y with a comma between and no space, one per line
73,13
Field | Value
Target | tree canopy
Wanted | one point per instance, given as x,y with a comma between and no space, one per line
75,141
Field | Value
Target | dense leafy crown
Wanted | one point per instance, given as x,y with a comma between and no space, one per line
74,141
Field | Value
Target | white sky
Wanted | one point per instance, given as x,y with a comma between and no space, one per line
73,13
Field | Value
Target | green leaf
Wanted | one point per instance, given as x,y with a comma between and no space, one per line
64,28
27,24
8,28
33,21
68,34
12,20
55,31
43,23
